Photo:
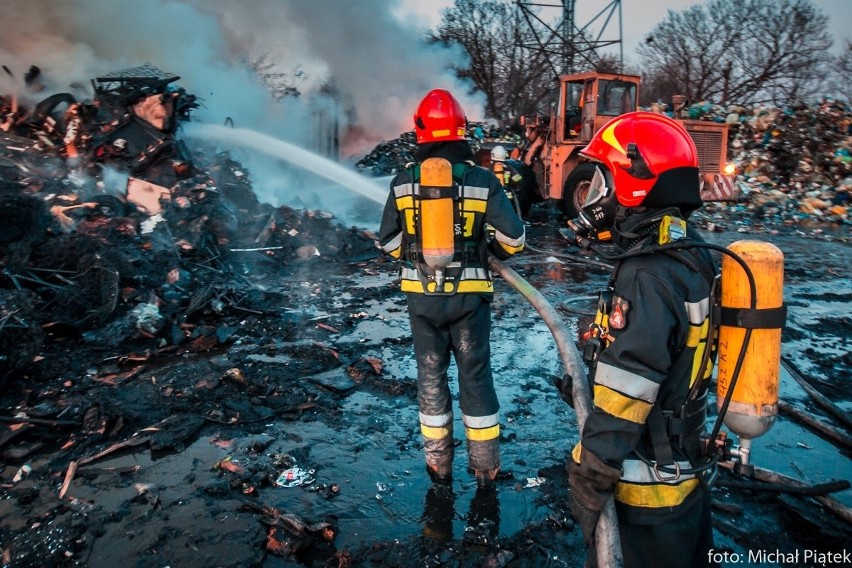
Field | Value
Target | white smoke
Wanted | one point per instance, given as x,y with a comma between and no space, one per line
378,62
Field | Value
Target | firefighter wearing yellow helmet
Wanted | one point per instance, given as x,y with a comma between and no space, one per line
649,351
434,222
508,175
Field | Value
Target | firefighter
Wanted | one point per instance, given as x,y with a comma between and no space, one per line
449,306
648,352
508,175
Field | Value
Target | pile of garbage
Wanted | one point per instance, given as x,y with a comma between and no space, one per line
794,165
390,156
112,230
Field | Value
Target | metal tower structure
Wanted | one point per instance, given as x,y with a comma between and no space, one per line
568,41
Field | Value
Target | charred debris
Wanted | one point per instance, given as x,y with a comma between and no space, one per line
141,281
112,230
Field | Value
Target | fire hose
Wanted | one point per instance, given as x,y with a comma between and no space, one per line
607,538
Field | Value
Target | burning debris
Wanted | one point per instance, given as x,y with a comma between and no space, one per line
112,231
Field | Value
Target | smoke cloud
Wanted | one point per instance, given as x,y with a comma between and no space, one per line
378,64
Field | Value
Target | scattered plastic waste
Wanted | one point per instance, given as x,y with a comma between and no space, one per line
22,473
534,481
295,477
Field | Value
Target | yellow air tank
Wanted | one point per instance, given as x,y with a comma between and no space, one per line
436,217
754,402
500,172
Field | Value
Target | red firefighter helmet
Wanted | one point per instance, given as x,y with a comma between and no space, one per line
439,118
651,159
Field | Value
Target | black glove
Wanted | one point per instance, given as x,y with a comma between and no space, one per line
565,386
591,482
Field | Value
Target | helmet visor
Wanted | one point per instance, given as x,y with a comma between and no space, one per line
597,188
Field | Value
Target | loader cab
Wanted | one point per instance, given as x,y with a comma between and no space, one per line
589,100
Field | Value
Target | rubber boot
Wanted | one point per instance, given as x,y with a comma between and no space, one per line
439,457
484,460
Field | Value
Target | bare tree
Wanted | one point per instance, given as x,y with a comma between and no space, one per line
840,82
504,62
739,51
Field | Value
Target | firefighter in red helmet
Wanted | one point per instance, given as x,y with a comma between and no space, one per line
447,283
649,352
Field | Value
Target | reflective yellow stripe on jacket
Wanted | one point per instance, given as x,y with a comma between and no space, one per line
641,486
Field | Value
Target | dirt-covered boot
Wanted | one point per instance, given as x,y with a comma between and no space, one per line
439,456
486,477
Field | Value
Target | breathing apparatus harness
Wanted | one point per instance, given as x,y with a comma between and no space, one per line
671,240
441,278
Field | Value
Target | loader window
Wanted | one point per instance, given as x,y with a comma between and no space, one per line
617,97
573,109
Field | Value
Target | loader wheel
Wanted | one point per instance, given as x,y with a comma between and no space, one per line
576,189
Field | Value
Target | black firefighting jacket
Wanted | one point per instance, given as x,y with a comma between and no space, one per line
655,328
481,200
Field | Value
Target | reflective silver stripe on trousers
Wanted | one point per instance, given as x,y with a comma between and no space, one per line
481,421
436,421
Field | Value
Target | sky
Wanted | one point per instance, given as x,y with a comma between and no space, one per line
371,49
640,16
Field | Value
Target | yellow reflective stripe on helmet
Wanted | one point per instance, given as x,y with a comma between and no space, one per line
441,133
435,433
658,495
608,136
483,434
621,406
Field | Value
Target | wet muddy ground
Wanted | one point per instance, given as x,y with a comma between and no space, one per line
296,442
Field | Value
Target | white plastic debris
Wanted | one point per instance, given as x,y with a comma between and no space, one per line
22,473
295,477
534,481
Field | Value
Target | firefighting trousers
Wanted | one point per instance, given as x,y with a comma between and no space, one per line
457,326
684,542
